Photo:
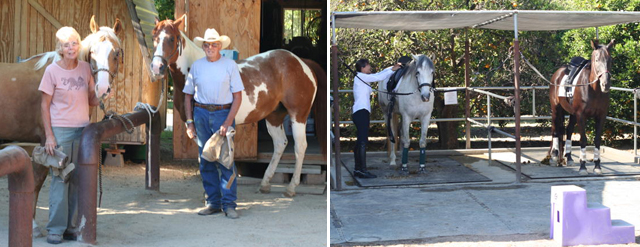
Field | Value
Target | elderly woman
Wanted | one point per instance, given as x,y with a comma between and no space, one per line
214,87
66,88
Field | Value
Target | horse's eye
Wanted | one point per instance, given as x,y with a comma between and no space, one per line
171,39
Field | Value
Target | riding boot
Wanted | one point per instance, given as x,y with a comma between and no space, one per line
362,172
356,158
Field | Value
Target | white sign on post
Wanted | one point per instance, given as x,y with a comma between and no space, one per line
451,98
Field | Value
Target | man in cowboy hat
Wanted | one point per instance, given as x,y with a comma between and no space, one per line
213,92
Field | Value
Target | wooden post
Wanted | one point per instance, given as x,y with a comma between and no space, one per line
516,59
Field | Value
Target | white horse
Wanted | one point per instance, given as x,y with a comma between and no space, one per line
414,99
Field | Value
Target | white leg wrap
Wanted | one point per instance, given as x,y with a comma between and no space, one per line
556,144
567,147
596,154
583,154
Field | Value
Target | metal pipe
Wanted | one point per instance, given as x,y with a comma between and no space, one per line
467,96
492,129
516,65
15,162
489,93
88,158
336,115
635,127
533,106
489,124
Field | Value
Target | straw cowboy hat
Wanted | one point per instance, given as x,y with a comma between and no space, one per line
211,35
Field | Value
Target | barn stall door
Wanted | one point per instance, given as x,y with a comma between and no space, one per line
240,20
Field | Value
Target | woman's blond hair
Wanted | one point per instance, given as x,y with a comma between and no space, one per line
63,35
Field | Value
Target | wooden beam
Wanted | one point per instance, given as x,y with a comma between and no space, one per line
140,35
23,29
16,28
45,14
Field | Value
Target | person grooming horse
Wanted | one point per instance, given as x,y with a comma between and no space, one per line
362,110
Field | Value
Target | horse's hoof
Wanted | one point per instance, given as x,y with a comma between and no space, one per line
597,171
570,163
289,194
404,168
553,161
583,172
265,189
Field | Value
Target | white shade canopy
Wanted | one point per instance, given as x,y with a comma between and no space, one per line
528,20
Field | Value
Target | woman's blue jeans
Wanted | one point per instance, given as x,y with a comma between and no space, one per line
215,177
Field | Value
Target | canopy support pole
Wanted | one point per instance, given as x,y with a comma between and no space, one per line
516,59
467,107
336,108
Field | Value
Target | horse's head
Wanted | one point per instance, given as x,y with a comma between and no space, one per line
424,75
601,64
167,45
103,51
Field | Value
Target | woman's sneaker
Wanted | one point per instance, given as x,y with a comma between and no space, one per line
54,238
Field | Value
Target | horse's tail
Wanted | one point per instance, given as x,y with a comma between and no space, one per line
45,57
390,106
319,107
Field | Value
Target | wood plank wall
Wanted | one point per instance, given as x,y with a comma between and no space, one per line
240,20
27,30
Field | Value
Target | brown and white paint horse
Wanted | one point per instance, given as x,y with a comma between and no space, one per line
276,83
20,117
590,100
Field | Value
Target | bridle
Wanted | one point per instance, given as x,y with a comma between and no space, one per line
112,76
178,50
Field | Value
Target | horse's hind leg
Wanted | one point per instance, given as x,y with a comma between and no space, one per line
567,142
406,122
40,173
557,129
598,140
582,126
299,130
279,137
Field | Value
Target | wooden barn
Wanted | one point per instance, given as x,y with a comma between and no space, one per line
254,26
28,28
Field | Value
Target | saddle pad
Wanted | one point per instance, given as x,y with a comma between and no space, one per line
567,91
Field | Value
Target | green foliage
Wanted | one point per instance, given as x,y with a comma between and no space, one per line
165,9
489,48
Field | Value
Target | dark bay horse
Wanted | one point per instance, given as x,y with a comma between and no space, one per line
20,116
590,100
276,83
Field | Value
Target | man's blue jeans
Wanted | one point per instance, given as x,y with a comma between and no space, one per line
215,176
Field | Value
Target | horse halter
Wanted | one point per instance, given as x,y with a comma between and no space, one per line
112,76
177,50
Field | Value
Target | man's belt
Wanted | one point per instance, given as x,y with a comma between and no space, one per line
213,107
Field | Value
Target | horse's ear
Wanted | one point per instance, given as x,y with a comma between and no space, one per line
611,44
157,21
415,57
117,27
594,44
180,22
93,25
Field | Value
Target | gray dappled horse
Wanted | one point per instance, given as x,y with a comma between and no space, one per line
414,100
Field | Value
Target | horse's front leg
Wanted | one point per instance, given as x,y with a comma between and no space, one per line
406,122
596,151
567,143
40,173
582,126
424,129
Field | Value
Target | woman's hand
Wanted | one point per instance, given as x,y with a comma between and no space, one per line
223,129
191,131
50,145
396,66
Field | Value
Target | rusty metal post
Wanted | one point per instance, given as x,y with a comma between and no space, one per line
152,176
16,162
88,158
467,82
516,65
336,115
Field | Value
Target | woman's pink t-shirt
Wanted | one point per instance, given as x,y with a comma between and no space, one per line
70,94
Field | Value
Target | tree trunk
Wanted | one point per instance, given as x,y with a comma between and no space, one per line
447,131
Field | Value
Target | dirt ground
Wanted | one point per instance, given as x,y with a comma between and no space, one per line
133,216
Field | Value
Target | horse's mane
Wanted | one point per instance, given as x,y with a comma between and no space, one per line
94,38
191,53
414,65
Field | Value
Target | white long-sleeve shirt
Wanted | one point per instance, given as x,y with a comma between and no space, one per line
362,92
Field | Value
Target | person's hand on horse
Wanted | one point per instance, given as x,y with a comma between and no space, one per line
50,145
396,66
191,131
